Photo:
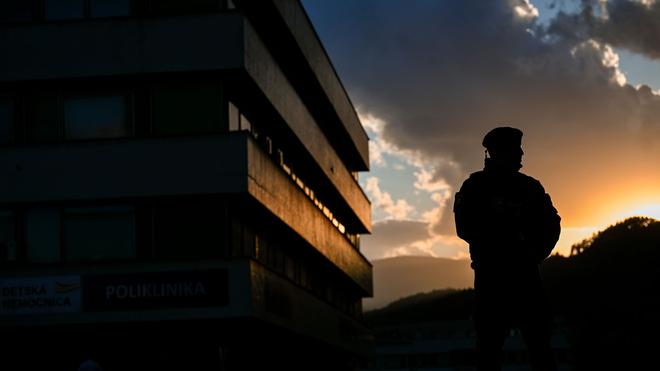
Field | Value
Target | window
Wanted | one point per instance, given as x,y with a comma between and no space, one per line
6,120
245,123
64,9
77,9
7,237
42,230
189,230
43,120
96,117
248,244
109,8
234,117
236,232
187,109
237,120
187,6
103,233
15,10
290,267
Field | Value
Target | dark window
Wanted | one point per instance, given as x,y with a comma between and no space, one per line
237,121
109,8
6,120
188,230
234,117
290,267
187,109
304,276
43,120
7,237
15,10
184,6
236,241
96,117
42,232
103,233
279,259
248,241
261,248
245,123
64,9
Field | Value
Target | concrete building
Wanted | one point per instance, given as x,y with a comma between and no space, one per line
178,189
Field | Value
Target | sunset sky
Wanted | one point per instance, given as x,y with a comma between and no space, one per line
430,77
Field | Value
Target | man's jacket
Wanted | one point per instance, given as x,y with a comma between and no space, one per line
507,218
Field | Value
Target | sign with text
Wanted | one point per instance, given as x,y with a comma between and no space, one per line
157,290
39,295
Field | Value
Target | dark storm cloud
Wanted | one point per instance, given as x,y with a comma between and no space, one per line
629,24
442,73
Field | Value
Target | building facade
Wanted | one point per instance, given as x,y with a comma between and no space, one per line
178,189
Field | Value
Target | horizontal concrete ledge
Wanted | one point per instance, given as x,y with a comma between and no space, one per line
124,168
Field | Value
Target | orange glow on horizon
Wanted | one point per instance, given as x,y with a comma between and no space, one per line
606,215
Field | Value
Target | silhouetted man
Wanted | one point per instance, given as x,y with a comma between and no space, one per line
511,226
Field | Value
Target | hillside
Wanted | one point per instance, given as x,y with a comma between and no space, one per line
447,304
399,277
607,294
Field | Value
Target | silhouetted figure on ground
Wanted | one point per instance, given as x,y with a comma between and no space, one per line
511,226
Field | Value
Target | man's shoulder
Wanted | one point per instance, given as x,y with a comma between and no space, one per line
474,180
482,178
530,182
477,176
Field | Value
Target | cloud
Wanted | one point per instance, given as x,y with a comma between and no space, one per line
426,182
390,235
409,237
399,209
525,9
430,177
439,224
377,146
394,233
440,74
629,24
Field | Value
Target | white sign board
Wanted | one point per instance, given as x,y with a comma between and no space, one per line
40,295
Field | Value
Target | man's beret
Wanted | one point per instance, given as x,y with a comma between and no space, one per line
503,137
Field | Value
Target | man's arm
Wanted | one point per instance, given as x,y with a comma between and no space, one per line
466,213
545,224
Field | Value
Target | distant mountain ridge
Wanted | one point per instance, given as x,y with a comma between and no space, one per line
399,277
